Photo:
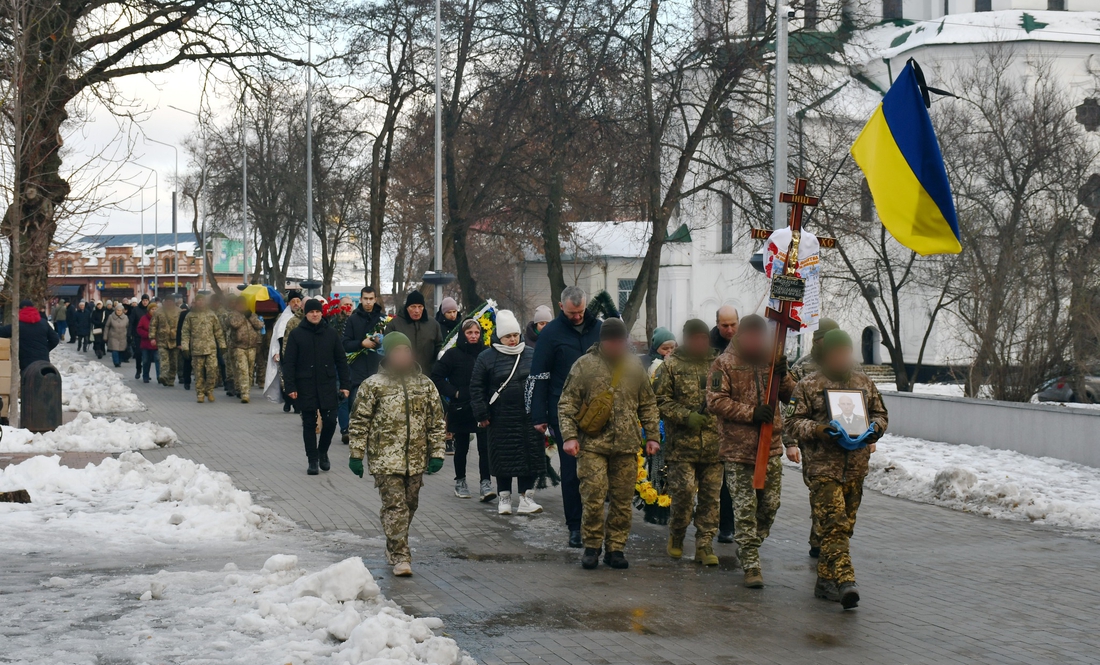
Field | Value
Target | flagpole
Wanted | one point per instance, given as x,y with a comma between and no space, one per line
438,155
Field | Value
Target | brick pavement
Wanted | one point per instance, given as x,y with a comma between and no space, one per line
939,586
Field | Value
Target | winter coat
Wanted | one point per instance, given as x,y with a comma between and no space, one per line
135,314
717,342
314,366
735,389
398,423
116,332
426,337
560,345
634,403
530,335
515,447
201,334
165,326
811,409
446,326
146,343
36,337
360,324
243,330
681,389
60,312
99,319
80,323
451,375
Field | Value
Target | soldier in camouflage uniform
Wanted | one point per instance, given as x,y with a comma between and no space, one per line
163,329
399,425
737,395
607,462
691,442
836,472
201,338
803,367
242,328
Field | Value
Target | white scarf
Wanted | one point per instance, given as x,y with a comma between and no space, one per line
510,350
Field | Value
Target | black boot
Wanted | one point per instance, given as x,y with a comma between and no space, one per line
616,560
323,462
591,558
849,595
313,470
815,552
286,406
826,590
575,540
725,536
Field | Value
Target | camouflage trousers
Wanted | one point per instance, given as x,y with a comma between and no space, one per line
169,365
205,369
244,366
834,505
753,510
610,479
400,498
686,481
815,528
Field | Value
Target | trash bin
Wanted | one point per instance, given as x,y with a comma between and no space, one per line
41,397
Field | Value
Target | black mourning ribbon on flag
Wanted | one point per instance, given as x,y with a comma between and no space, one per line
925,89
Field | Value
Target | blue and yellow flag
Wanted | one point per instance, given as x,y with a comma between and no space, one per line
900,157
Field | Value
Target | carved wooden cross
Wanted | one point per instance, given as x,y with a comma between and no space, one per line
786,287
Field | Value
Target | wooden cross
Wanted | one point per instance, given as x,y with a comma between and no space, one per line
784,317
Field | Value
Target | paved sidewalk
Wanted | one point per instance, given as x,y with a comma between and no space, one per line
939,586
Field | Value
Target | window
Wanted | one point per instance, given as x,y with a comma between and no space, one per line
891,9
866,203
1056,5
169,265
65,266
625,287
758,15
983,5
118,266
726,245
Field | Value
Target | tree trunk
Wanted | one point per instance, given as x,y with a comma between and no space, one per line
466,281
551,238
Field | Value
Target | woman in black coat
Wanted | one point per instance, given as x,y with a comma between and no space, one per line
497,392
451,375
315,374
99,319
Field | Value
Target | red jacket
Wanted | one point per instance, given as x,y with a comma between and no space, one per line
143,333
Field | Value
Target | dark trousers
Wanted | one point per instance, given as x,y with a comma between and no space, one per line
570,483
343,412
149,358
523,483
185,369
98,346
135,349
725,511
223,378
61,327
81,342
462,449
317,445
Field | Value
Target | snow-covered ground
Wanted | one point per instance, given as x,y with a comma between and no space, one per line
134,562
996,483
88,433
88,385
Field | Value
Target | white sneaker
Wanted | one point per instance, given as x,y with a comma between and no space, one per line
504,503
527,505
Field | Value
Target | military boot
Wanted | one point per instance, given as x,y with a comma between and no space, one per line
849,595
753,579
201,398
826,590
616,560
210,396
591,558
705,555
676,546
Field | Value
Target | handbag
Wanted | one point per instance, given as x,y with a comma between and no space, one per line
504,385
97,331
595,413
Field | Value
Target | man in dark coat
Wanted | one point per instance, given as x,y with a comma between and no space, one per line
725,327
185,361
315,373
561,343
80,323
36,337
136,312
361,337
423,331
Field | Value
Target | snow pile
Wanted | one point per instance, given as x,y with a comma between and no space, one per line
88,433
125,503
87,385
996,483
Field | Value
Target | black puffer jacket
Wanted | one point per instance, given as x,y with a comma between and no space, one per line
36,337
314,366
451,375
360,324
515,447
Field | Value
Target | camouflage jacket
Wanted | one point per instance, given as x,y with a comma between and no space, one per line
242,330
803,367
398,423
291,324
681,389
736,389
634,404
163,327
811,409
202,333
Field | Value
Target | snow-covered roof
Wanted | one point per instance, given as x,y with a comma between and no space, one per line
607,239
96,246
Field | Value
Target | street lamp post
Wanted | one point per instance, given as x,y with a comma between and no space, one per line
175,230
438,153
244,183
156,202
202,181
782,18
309,160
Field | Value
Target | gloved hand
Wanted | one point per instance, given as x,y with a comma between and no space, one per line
763,414
356,466
827,433
781,367
434,465
876,434
696,421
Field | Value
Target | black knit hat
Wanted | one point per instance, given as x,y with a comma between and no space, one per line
292,294
414,298
613,329
313,305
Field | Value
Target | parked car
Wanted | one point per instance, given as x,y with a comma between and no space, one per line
1061,390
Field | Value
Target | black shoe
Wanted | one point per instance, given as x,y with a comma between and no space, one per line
849,595
313,470
118,364
815,552
616,560
187,386
725,536
323,463
591,558
145,380
345,438
286,407
575,540
826,590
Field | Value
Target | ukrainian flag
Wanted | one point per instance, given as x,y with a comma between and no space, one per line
900,157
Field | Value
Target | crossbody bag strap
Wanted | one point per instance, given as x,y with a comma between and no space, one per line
504,385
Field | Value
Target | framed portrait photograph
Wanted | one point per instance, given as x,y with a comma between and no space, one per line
849,408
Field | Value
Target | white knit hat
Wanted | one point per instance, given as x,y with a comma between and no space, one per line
507,324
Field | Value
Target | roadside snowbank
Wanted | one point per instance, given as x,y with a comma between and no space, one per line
88,385
88,433
996,483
